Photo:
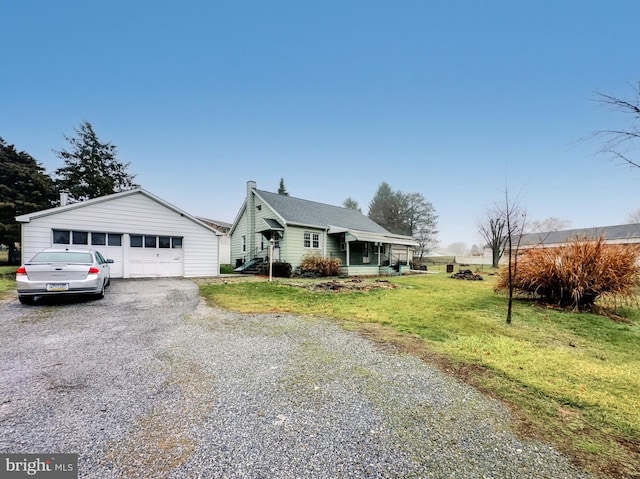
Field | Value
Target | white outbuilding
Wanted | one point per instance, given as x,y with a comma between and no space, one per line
144,235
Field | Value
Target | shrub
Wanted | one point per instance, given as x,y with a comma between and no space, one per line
316,265
576,274
280,269
226,269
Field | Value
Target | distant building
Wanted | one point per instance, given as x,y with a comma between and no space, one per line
619,234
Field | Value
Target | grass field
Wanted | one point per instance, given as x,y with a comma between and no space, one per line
7,283
570,378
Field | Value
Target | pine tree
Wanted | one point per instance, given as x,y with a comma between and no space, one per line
91,168
281,189
25,187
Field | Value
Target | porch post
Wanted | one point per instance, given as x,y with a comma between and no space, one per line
324,243
347,242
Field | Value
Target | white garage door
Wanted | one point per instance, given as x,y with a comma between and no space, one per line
108,244
155,256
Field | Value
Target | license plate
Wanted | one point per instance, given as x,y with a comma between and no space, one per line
57,287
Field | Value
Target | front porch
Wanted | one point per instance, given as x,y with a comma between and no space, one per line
371,254
373,270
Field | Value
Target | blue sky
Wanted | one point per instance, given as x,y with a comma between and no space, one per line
451,99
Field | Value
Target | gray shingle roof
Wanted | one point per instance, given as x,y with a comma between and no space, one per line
310,213
618,232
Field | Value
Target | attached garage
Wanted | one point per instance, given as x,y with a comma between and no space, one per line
143,234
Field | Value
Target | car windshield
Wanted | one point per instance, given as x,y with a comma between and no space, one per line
61,257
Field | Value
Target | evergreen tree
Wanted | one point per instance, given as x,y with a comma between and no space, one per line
406,214
25,187
351,204
281,189
386,209
91,168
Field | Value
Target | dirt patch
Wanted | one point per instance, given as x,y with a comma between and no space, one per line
349,285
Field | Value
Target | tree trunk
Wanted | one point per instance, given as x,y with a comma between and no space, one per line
496,257
13,258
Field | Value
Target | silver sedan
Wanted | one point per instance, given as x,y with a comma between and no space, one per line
63,271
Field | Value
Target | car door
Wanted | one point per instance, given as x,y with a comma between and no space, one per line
105,271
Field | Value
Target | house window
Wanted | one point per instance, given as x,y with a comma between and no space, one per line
311,240
343,242
61,236
176,242
244,244
164,242
365,253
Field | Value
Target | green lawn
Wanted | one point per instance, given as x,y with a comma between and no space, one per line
570,378
7,283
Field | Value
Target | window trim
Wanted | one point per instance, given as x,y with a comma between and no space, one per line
311,240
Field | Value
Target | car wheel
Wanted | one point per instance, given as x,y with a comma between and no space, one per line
26,299
100,295
108,282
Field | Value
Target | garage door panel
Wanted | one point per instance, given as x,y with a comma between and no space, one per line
157,262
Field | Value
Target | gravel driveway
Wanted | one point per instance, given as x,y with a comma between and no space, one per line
150,382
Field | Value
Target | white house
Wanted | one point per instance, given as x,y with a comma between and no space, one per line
143,234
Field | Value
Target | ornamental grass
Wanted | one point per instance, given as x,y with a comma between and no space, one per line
577,273
317,265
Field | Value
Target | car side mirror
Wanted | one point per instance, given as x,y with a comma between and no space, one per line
110,261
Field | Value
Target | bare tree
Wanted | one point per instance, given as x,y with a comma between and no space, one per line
634,216
619,141
549,224
515,222
494,235
502,232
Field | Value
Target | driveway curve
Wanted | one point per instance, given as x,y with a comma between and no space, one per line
152,383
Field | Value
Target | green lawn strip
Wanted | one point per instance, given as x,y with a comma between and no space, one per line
7,287
8,270
573,376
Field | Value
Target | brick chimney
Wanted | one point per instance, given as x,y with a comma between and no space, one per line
251,224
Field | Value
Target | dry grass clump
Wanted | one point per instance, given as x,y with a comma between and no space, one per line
577,273
317,265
